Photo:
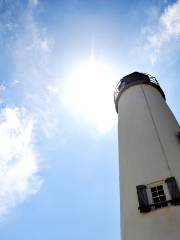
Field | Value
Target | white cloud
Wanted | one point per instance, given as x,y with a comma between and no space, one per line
164,38
18,162
29,48
30,51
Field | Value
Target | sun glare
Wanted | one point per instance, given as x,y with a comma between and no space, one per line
89,94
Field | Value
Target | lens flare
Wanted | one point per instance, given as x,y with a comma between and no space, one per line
89,93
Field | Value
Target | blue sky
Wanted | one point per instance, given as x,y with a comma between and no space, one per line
60,62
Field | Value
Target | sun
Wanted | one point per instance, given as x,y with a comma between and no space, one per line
88,94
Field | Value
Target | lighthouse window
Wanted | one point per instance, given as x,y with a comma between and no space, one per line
158,197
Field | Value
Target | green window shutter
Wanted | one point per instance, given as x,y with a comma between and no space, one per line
174,190
143,199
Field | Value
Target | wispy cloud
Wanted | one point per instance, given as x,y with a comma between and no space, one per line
27,47
164,37
18,162
31,74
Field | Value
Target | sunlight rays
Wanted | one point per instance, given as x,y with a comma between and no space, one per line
88,93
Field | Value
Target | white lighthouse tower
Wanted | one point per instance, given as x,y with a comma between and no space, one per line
149,161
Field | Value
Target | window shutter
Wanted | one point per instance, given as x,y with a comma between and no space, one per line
143,198
174,190
178,134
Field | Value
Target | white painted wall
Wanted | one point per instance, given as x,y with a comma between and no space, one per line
149,150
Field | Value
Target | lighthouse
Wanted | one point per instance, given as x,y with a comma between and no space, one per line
149,160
